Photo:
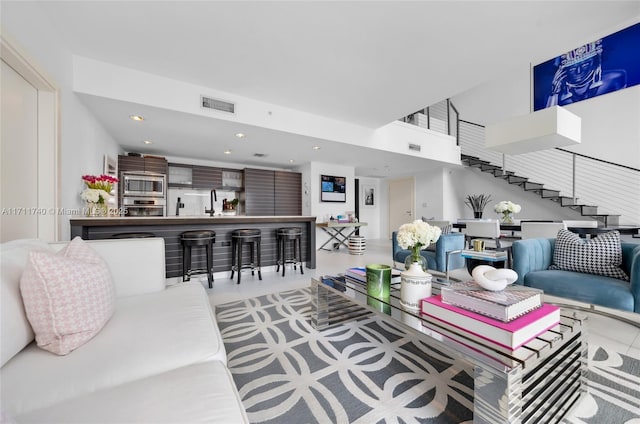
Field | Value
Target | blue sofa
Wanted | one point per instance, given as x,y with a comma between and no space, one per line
436,259
532,258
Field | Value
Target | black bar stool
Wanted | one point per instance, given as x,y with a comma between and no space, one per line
251,237
289,236
201,238
132,235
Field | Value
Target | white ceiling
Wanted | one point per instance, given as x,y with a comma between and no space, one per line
364,62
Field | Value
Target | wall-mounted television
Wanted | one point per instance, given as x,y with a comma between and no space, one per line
333,189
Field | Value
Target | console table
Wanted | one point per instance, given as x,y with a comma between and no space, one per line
335,231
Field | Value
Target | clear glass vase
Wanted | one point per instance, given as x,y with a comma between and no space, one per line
507,218
415,257
97,209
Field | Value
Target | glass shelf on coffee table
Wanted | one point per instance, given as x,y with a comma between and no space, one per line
544,378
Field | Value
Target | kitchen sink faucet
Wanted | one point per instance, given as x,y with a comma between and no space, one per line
213,197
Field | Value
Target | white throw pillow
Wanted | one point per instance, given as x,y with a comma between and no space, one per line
68,296
14,327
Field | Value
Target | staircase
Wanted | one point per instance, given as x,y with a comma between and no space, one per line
613,186
554,195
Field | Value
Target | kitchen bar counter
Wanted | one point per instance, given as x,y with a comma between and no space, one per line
170,228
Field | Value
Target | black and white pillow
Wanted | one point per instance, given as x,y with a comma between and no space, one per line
601,255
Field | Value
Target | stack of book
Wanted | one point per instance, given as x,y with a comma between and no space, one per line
485,254
505,305
356,275
504,336
337,282
359,275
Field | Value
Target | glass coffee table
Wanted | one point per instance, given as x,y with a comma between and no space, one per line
539,382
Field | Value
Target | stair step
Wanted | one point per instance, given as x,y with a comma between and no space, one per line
607,220
490,168
546,193
498,173
568,201
553,195
514,179
478,163
587,210
529,186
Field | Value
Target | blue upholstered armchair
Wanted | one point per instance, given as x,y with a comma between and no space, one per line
532,258
436,259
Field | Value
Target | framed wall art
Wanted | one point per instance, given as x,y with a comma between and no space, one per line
368,195
593,69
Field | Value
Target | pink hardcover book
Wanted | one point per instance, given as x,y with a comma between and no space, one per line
511,334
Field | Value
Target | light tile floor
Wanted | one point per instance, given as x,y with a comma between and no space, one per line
603,331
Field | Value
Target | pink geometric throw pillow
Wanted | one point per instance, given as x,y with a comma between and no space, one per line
68,296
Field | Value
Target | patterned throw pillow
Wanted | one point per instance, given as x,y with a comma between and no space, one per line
68,296
601,255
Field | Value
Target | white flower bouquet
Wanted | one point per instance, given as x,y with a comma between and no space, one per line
507,208
94,195
416,235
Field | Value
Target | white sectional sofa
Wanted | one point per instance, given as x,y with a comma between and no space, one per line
159,358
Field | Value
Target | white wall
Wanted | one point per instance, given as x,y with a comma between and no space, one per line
429,194
610,124
83,141
464,181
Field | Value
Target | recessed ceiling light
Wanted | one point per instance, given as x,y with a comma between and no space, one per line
136,117
316,147
148,142
291,160
241,135
227,152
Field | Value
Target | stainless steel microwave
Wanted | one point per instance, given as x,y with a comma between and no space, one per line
143,184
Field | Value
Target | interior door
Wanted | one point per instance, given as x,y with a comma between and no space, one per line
29,154
401,202
19,157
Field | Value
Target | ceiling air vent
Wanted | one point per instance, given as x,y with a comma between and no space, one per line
259,155
415,147
221,105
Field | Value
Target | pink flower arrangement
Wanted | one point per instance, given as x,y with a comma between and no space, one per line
100,182
98,188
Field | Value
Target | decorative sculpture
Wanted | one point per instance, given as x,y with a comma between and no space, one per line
493,279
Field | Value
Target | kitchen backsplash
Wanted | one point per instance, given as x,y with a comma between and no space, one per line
196,201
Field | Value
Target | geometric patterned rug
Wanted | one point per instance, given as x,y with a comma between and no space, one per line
368,371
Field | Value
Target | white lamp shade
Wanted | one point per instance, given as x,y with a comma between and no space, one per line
540,130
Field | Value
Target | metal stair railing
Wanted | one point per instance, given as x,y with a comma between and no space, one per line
442,117
603,190
574,180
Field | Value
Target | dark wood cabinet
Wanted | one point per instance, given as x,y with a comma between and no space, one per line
156,165
259,192
195,176
130,163
142,164
206,177
288,193
272,192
